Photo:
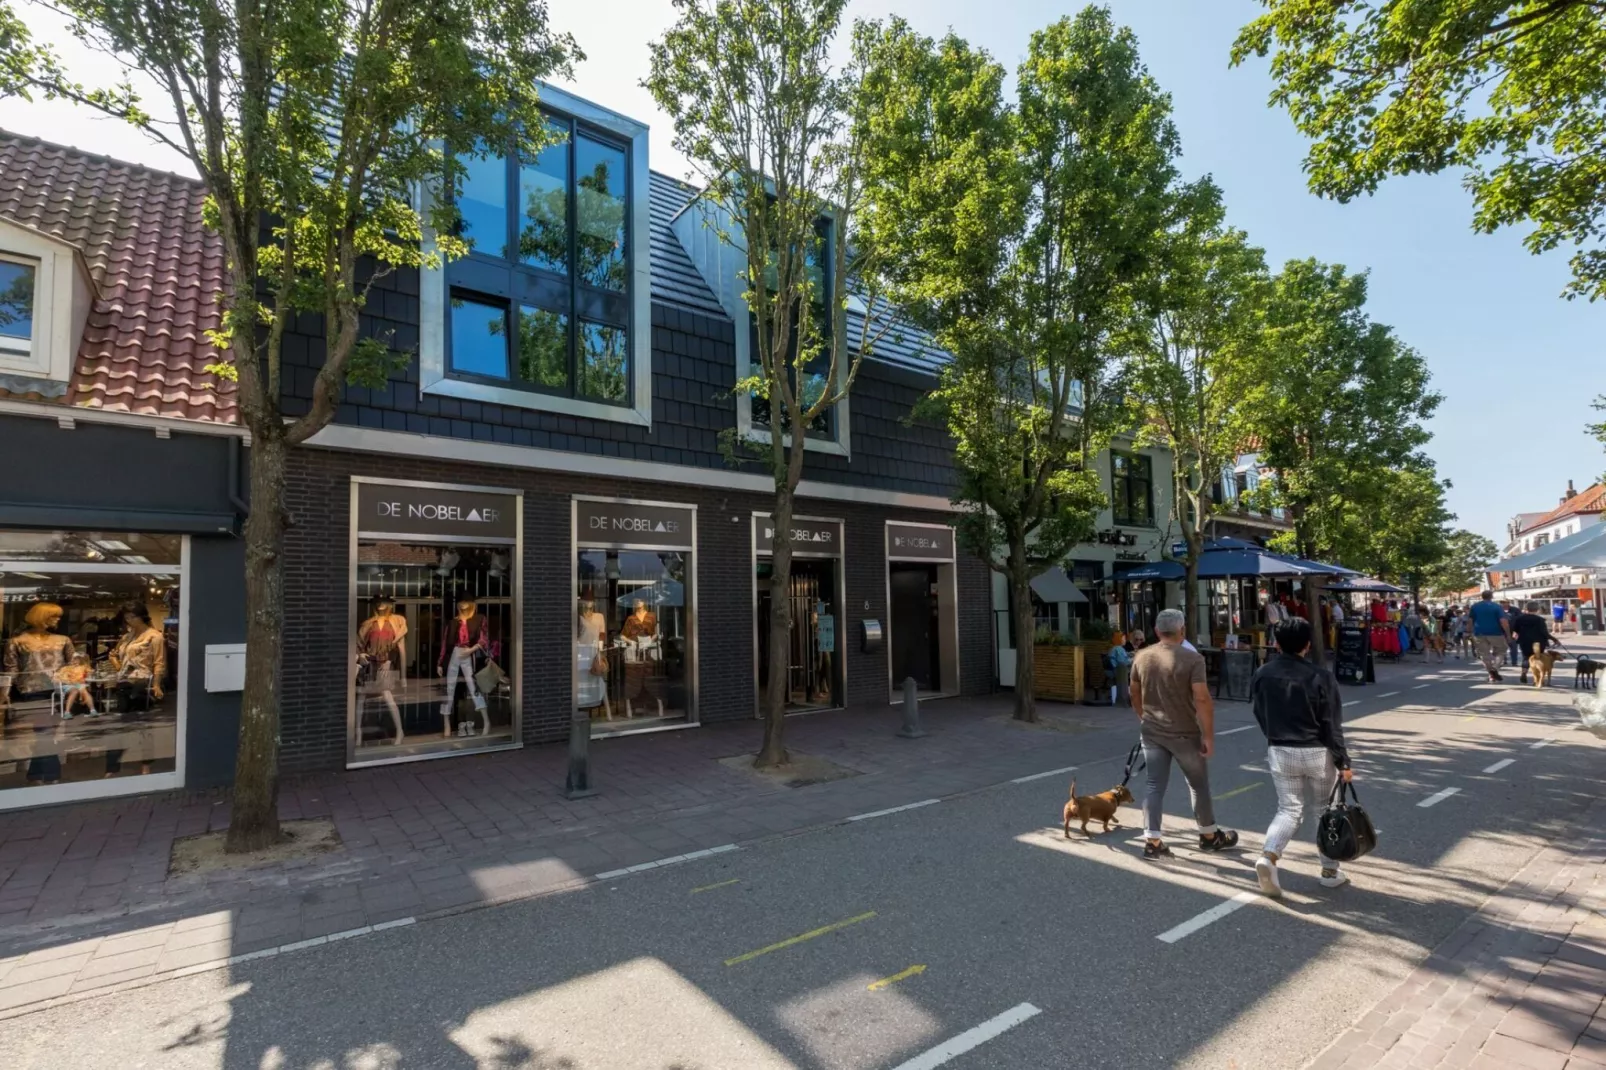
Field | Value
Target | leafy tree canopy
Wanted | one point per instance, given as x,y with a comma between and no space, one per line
1465,562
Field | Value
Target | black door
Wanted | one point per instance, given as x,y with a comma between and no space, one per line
913,617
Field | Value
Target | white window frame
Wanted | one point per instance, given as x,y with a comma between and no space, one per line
13,348
433,378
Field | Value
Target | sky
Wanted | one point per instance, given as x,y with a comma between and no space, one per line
1517,365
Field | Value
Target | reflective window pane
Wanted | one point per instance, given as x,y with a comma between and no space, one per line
604,363
632,637
543,347
479,339
88,547
601,181
16,300
482,202
544,207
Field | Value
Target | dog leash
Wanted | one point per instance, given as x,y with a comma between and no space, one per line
1134,755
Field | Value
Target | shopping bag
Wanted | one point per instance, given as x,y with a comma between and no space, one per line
489,678
1345,831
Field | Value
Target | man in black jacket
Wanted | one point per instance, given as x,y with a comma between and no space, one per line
1532,634
1298,707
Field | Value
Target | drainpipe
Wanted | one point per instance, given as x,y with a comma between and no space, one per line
241,507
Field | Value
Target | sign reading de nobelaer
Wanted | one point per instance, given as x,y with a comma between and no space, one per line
392,509
810,538
626,524
919,542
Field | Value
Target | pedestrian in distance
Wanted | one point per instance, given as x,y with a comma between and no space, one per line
1558,610
1532,633
1456,623
1513,648
1491,633
1119,662
1177,719
1298,707
1433,635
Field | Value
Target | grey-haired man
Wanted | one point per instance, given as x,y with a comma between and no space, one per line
1178,720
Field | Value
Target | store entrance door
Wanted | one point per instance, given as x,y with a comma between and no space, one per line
811,657
913,616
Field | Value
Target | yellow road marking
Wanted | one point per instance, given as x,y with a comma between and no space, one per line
1469,717
887,982
793,940
721,884
1239,791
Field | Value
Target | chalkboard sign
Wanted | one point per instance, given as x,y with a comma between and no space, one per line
1237,666
1352,652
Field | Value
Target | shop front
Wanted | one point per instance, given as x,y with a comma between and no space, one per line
434,615
922,608
814,656
635,617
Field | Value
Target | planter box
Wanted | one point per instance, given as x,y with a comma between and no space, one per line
1058,673
1093,651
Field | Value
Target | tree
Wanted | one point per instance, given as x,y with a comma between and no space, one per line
1398,525
1192,347
1512,91
771,127
1599,430
1017,236
310,125
1465,563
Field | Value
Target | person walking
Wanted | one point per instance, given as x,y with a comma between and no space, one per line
1298,707
1558,610
1178,723
1433,635
1513,650
1532,633
1119,662
1457,623
1491,632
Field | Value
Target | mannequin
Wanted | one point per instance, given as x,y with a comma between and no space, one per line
590,636
379,643
140,656
465,641
641,630
34,656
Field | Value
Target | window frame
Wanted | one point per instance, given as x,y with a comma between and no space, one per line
439,285
11,346
1121,504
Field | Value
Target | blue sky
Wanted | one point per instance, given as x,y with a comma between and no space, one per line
1517,365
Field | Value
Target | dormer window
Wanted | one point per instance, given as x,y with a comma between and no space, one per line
18,280
45,294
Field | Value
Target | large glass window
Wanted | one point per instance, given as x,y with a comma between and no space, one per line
632,638
542,301
89,651
17,279
1131,489
816,378
436,644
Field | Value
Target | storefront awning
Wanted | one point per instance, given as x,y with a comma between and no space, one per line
1055,586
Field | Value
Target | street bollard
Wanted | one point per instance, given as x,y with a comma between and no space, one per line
911,710
578,784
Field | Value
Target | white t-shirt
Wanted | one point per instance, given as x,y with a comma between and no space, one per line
1338,613
1274,613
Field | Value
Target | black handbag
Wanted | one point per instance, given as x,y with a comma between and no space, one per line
1345,831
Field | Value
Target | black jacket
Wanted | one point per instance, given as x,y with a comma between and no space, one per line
1297,705
1531,629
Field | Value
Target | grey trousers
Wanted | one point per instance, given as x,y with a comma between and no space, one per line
1158,754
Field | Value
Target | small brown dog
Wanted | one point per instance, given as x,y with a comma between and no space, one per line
1101,807
1541,662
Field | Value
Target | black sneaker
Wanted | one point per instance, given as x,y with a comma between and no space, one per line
1220,840
1156,849
1496,677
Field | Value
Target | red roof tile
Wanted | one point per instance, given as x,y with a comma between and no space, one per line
1588,500
157,271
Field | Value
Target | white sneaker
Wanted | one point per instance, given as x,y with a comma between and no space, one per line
1266,873
1333,878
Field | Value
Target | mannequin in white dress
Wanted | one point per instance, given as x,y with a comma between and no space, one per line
590,636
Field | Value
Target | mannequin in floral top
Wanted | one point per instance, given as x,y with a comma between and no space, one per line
140,656
379,643
34,656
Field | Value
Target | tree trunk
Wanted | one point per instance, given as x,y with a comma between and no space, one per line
1020,591
1318,628
773,751
254,817
1190,593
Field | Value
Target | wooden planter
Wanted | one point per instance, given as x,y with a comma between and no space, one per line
1093,651
1058,673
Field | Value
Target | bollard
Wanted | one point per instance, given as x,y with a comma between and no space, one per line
578,784
911,710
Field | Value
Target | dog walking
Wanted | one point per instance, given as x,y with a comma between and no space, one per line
1491,633
1178,722
1298,707
1533,636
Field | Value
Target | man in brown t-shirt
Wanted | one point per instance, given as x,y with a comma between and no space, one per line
1178,722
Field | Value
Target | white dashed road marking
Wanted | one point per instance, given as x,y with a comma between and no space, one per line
1419,687
1501,764
1388,694
974,1037
1040,776
894,810
1438,797
1214,914
1543,743
1240,728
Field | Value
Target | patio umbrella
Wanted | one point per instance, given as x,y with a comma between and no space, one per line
1586,549
1364,584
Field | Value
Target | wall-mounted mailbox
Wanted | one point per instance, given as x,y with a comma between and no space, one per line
870,636
225,667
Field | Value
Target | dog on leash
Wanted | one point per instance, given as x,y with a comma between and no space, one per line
1584,676
1100,807
1541,663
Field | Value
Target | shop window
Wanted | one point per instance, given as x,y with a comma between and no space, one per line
90,629
18,279
812,663
1131,489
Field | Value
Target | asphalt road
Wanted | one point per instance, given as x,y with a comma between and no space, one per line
984,927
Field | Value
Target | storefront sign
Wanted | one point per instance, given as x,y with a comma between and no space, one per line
400,509
811,538
611,523
919,542
1129,555
1117,537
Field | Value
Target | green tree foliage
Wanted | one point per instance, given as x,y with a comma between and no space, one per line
773,128
1465,563
1018,234
1511,91
1395,525
1599,430
1193,350
310,123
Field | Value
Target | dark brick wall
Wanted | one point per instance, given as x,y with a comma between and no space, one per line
313,709
694,370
